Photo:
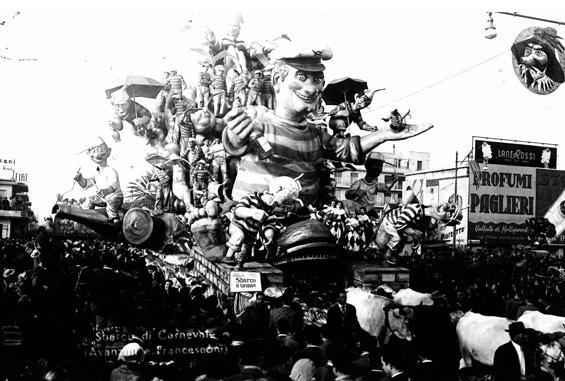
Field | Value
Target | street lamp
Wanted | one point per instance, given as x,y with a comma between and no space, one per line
490,30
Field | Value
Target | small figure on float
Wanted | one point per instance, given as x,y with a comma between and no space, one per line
298,81
125,109
201,175
217,155
194,155
177,82
106,181
238,90
255,89
410,220
218,89
203,85
164,201
180,183
235,49
251,218
346,113
267,93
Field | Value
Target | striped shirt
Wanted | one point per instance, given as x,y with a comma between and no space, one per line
177,83
239,83
218,84
298,149
405,216
249,225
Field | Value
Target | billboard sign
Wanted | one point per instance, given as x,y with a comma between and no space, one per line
7,165
488,151
500,201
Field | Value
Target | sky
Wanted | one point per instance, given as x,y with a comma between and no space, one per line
432,59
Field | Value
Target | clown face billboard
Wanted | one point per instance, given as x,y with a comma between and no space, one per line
538,58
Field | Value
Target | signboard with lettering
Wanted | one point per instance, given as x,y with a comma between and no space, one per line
7,168
244,281
490,151
162,345
500,201
550,200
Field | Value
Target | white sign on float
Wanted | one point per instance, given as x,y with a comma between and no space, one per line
242,281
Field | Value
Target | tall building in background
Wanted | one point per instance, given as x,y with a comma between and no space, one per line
15,212
393,163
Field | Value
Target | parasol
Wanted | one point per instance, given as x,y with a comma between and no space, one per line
343,89
136,86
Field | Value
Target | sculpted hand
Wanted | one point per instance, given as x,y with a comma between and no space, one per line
239,126
102,192
138,122
78,177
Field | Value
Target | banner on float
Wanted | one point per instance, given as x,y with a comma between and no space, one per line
550,200
244,281
500,201
488,151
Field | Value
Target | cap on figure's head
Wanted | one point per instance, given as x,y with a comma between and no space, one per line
302,56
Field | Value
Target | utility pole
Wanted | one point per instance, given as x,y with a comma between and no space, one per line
455,198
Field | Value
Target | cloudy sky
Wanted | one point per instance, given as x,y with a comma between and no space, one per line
431,58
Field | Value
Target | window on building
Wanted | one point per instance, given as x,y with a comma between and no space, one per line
419,165
354,177
387,197
338,179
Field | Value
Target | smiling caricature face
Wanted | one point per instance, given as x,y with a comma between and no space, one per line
299,92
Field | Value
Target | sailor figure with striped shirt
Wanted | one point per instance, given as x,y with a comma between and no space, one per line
251,218
299,147
410,220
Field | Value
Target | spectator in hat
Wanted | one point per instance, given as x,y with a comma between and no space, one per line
298,81
509,358
131,357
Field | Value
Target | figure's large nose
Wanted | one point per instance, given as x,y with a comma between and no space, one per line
310,89
528,60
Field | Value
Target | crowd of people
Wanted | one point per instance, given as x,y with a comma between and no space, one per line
12,203
56,292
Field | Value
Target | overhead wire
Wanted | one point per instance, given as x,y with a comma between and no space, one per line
373,109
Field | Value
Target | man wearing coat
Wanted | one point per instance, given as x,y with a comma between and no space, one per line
342,321
509,358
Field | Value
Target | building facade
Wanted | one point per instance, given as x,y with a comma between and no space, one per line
394,163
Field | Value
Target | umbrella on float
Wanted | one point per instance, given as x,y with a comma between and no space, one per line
343,89
136,86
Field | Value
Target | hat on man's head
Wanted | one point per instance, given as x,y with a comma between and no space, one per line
302,56
516,328
98,142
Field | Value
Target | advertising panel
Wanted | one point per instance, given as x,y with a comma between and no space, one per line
550,200
500,201
7,165
488,151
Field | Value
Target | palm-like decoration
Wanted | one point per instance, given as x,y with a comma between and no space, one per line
141,192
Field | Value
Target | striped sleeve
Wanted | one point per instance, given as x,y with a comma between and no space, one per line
408,215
